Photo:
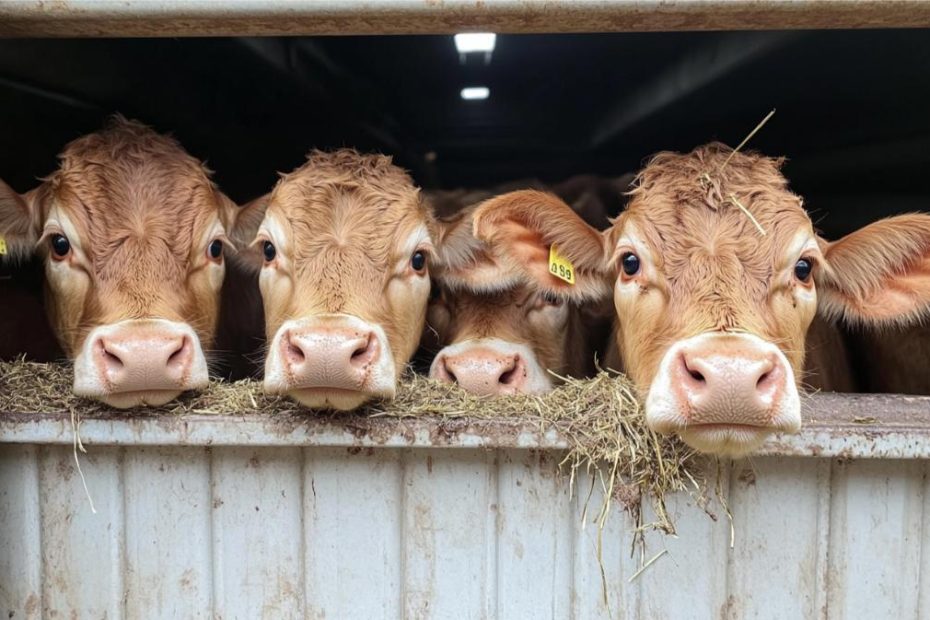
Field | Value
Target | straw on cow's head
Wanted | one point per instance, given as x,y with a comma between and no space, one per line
716,274
132,233
343,250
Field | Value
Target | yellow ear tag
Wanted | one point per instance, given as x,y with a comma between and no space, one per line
560,267
3,249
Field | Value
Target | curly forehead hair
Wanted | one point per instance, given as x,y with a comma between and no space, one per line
124,144
347,169
711,175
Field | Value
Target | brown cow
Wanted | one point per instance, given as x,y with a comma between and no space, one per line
712,313
499,334
343,251
131,232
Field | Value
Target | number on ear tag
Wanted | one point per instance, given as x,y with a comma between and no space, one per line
3,249
560,267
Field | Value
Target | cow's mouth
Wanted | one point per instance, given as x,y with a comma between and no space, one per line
138,398
725,439
340,399
729,426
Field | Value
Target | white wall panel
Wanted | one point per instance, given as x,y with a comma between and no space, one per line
20,532
169,543
353,511
290,532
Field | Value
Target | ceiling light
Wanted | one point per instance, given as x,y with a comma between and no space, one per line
466,42
475,92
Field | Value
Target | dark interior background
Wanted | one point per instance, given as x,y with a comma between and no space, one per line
852,105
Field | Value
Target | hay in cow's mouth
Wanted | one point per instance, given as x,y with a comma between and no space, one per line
600,418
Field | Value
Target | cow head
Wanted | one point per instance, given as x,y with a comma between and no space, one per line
344,248
712,313
131,231
499,334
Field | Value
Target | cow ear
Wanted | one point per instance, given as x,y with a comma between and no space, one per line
19,222
464,262
241,225
878,275
521,229
242,222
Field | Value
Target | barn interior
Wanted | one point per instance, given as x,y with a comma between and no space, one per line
851,108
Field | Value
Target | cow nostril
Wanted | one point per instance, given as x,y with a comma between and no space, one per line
512,374
295,353
362,349
365,352
177,356
696,375
508,377
763,380
112,360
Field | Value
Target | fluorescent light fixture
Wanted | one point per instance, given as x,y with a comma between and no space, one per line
475,92
466,42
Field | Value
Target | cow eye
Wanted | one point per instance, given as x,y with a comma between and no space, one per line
269,251
60,245
552,299
802,269
418,260
630,263
216,249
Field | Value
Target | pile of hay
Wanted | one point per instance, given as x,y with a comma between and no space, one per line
600,418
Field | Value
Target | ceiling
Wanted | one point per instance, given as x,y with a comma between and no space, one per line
852,112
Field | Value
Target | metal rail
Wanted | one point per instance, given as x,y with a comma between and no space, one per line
836,425
163,18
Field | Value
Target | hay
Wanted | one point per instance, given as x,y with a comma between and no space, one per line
713,185
600,418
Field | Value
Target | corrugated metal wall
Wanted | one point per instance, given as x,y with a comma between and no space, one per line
240,532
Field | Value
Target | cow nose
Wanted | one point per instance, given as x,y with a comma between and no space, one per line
730,387
483,371
329,357
151,360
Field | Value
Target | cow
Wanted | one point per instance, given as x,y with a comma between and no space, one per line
716,274
894,360
497,334
342,245
131,232
25,332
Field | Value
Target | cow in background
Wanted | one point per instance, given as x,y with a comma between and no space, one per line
895,359
24,328
716,274
496,334
131,232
